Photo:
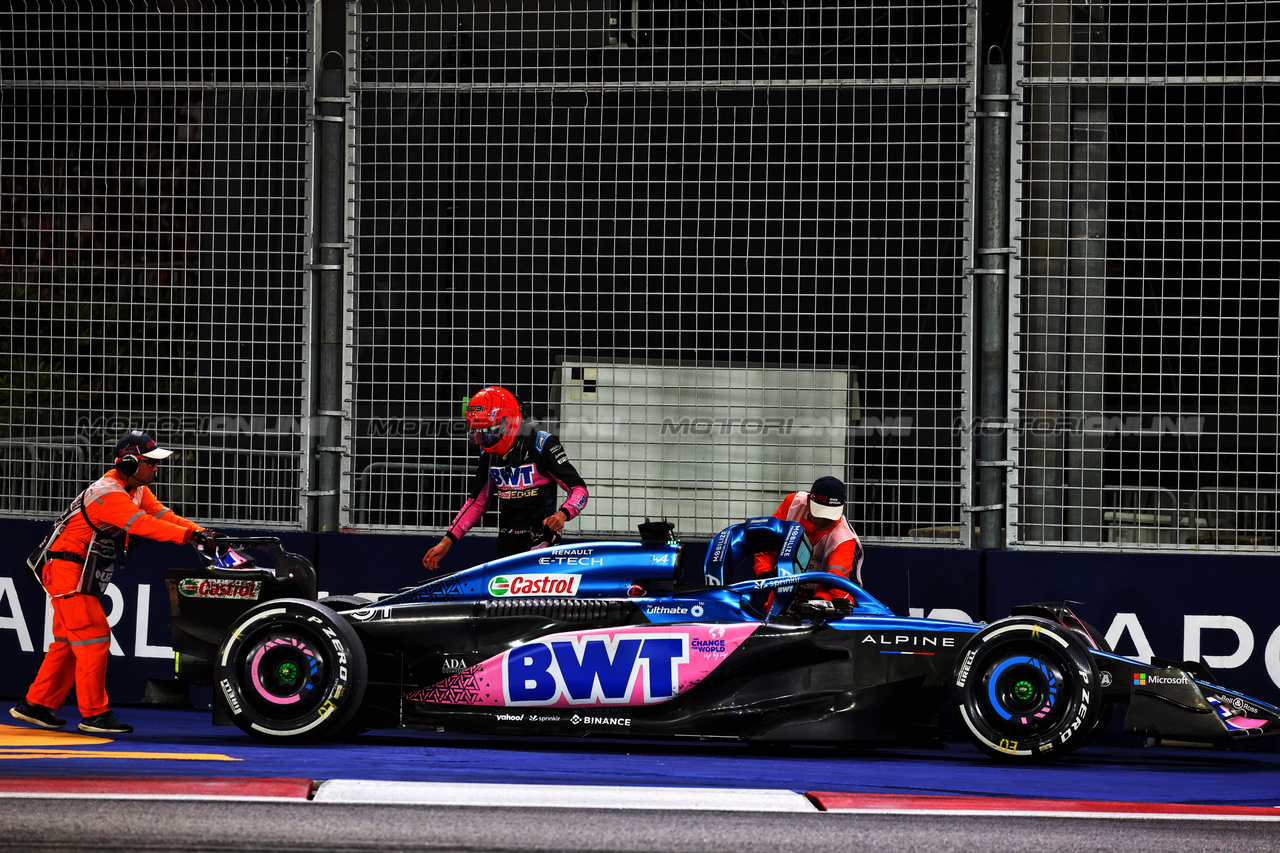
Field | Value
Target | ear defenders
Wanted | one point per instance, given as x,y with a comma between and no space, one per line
127,466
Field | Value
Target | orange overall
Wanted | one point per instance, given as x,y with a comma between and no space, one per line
835,549
72,576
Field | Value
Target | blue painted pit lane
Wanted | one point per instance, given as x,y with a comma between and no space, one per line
184,743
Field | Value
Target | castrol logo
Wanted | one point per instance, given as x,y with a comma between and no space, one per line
516,586
215,588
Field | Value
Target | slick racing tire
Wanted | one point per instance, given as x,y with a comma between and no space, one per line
291,671
1027,689
1095,639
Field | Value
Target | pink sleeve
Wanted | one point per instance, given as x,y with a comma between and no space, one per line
471,513
576,502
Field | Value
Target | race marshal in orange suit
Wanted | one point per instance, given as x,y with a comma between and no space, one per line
87,543
836,548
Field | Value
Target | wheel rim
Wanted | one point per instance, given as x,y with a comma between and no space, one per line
1023,693
285,672
1024,689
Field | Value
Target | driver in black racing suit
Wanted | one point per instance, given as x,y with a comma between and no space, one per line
524,467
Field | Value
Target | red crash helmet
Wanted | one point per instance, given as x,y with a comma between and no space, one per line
493,419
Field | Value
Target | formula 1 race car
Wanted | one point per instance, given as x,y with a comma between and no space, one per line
605,639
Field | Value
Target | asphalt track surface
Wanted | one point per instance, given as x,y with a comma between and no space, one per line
179,782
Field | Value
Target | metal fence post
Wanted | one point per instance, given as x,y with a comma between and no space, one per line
331,205
993,255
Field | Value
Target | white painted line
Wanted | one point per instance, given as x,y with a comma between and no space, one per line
562,796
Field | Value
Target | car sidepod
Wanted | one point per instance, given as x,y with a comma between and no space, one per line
555,667
884,679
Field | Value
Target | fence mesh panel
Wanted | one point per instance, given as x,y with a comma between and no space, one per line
153,222
719,250
1147,311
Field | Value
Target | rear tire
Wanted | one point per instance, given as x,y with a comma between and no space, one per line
343,603
291,671
1027,689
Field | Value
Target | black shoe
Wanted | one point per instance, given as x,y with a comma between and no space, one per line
105,722
38,714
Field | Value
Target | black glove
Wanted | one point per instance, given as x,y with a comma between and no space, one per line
204,538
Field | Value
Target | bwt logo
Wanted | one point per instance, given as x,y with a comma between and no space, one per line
595,670
512,478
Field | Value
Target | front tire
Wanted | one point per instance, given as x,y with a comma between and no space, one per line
291,671
1027,689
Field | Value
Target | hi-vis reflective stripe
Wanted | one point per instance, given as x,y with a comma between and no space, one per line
132,519
105,639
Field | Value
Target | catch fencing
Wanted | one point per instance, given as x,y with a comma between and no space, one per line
719,251
1146,364
154,235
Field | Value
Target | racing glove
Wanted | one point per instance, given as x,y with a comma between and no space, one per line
204,538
